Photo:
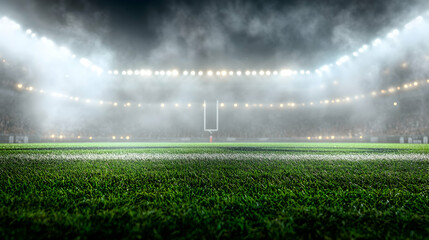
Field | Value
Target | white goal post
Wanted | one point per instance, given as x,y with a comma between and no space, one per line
205,118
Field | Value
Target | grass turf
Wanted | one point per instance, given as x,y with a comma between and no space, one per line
252,190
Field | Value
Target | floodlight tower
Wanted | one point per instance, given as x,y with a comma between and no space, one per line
211,130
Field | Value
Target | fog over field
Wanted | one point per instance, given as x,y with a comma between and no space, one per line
321,52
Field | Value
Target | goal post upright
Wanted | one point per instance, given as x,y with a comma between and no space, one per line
211,130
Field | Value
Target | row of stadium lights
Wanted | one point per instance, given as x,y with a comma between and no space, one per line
330,138
63,137
366,47
209,73
11,25
404,87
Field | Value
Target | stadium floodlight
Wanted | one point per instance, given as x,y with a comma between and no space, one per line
193,73
101,102
344,59
33,35
136,72
217,73
246,105
168,72
114,137
376,42
28,32
189,105
302,72
9,24
175,73
222,105
247,73
200,73
162,105
393,33
395,104
414,22
223,73
308,72
209,73
356,54
19,85
185,73
176,105
124,73
235,105
127,137
268,73
85,62
238,73
261,73
231,73
275,73
148,72
253,73
325,68
281,105
115,104
47,41
363,49
110,72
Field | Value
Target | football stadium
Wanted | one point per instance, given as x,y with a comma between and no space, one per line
214,119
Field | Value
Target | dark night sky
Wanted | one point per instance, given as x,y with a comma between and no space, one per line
204,33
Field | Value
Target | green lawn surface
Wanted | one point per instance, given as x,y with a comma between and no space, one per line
212,191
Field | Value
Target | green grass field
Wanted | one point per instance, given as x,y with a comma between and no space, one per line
211,191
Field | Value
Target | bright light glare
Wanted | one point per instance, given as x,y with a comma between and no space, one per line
85,62
376,42
393,34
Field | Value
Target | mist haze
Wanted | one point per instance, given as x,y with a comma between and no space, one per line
217,36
